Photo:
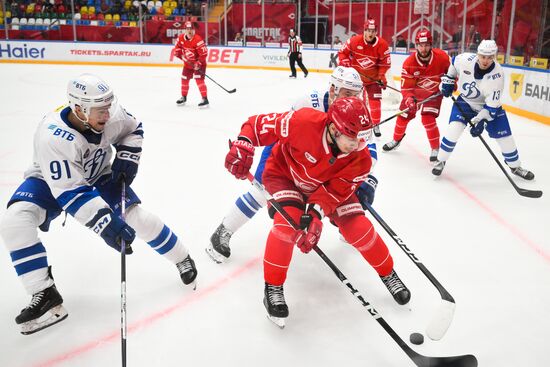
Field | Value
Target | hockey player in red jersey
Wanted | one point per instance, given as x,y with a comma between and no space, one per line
420,79
370,56
315,167
191,49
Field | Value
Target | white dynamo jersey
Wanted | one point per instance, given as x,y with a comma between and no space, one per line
477,92
71,163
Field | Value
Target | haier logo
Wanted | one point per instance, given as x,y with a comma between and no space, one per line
12,51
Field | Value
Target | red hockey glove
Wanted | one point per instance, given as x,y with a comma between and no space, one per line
382,81
311,222
177,53
239,159
345,63
197,65
410,103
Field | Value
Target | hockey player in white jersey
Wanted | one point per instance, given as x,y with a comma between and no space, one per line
480,82
344,82
72,172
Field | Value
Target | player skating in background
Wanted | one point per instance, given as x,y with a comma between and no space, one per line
480,82
314,169
420,79
191,49
344,82
72,171
369,54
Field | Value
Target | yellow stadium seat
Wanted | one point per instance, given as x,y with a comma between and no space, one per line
127,4
166,4
91,10
173,4
108,17
116,17
2,19
133,24
168,12
84,10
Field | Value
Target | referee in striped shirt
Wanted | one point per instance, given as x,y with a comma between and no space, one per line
294,54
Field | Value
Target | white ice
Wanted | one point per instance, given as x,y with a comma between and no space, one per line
487,245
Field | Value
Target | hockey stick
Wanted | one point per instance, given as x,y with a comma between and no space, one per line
442,320
468,360
221,86
123,326
380,83
521,191
407,109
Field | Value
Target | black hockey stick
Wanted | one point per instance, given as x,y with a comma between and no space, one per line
521,191
468,360
442,320
407,109
380,83
123,326
221,86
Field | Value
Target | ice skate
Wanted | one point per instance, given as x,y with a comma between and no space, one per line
204,103
377,132
292,76
438,168
218,248
274,302
523,173
188,271
433,155
44,310
181,101
391,145
397,289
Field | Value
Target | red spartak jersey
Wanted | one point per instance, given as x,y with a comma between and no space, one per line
370,60
303,155
191,50
422,80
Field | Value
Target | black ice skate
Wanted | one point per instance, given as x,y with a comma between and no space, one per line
377,132
305,74
292,76
181,101
398,290
438,168
218,248
188,271
44,310
523,173
433,155
274,302
204,103
392,145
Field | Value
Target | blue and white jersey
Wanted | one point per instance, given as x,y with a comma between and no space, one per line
71,162
478,88
315,100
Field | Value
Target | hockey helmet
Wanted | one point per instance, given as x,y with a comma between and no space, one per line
423,36
350,117
487,48
369,24
343,77
89,91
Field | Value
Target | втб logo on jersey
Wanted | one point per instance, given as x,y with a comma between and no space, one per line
94,165
470,90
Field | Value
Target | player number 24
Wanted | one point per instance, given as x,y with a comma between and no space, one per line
57,169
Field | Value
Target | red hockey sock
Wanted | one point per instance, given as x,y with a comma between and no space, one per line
375,112
359,232
431,130
184,86
400,128
202,87
279,247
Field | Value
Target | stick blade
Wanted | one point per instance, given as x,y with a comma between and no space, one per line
441,321
530,193
232,90
467,360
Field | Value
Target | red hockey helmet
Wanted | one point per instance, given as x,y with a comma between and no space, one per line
350,116
369,24
188,24
423,36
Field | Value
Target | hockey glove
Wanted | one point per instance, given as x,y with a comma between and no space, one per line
410,103
312,226
239,159
112,229
479,122
125,165
447,85
365,192
345,63
177,53
382,81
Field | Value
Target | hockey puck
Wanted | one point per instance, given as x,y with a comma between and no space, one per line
417,338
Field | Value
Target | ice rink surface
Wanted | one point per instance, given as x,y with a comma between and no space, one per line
487,245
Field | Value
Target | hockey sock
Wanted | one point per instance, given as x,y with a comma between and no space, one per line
400,128
202,86
279,247
360,233
159,236
375,111
245,208
448,142
184,85
509,151
19,231
431,130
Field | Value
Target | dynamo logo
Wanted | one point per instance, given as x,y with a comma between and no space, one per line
470,90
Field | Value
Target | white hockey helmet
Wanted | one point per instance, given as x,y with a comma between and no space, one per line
89,91
343,77
487,48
